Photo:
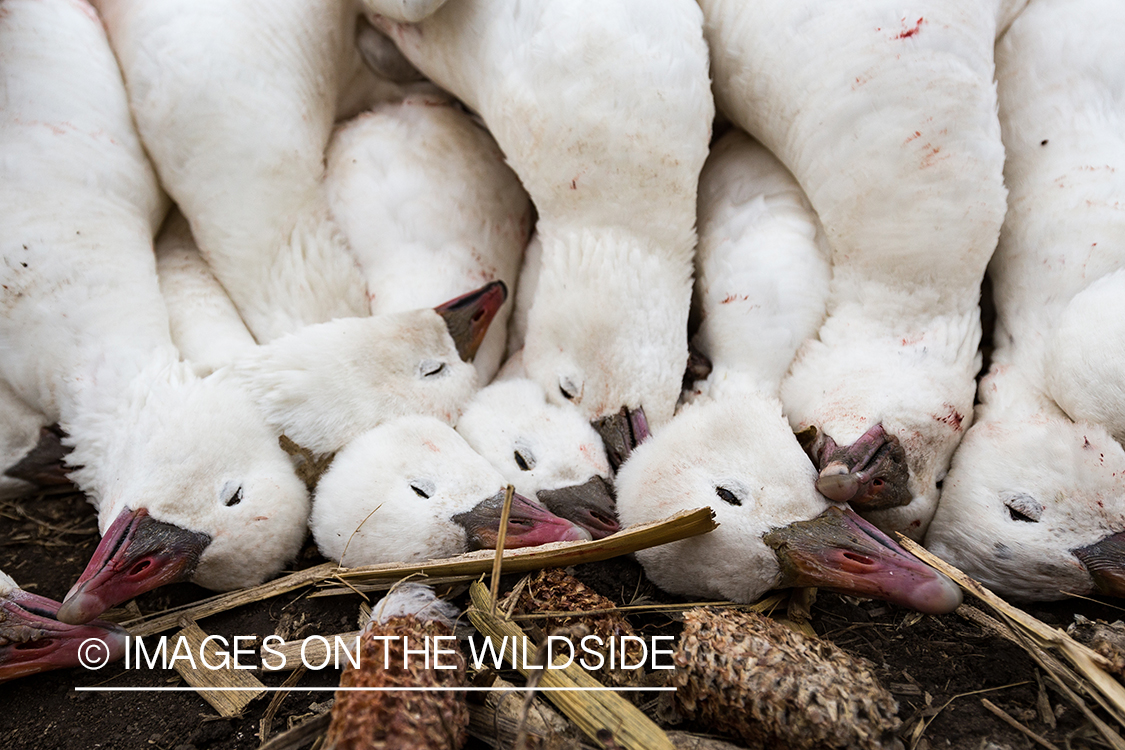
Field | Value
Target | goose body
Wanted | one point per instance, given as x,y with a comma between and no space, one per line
1034,505
32,640
762,281
235,102
604,113
412,490
187,478
887,119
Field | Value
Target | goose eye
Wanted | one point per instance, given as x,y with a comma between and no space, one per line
568,389
727,496
234,499
430,369
421,491
524,460
1022,507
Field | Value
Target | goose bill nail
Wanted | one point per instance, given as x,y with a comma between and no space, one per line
137,554
871,473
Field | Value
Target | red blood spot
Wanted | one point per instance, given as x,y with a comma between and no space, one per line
931,157
906,33
953,418
574,184
734,298
915,524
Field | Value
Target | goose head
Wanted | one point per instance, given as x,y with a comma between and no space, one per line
881,422
325,384
739,457
33,640
412,489
546,451
190,485
607,332
1034,508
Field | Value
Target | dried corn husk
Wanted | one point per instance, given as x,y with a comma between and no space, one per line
744,674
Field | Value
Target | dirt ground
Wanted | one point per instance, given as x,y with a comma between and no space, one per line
939,668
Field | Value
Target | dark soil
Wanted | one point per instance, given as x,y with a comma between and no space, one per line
939,668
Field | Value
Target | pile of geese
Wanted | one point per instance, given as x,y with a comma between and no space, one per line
631,258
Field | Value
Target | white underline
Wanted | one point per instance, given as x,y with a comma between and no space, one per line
512,689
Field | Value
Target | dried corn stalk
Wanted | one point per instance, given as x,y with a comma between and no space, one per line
746,675
406,720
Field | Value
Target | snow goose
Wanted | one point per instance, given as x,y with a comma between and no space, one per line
235,101
1034,505
911,199
604,112
412,490
762,280
428,207
188,480
32,640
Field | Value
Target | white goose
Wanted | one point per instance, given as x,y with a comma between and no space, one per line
412,490
428,207
604,111
187,478
761,285
32,640
1034,505
887,118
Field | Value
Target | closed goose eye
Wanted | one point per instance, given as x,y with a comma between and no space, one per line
430,369
524,460
568,389
421,491
234,499
727,496
1022,507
